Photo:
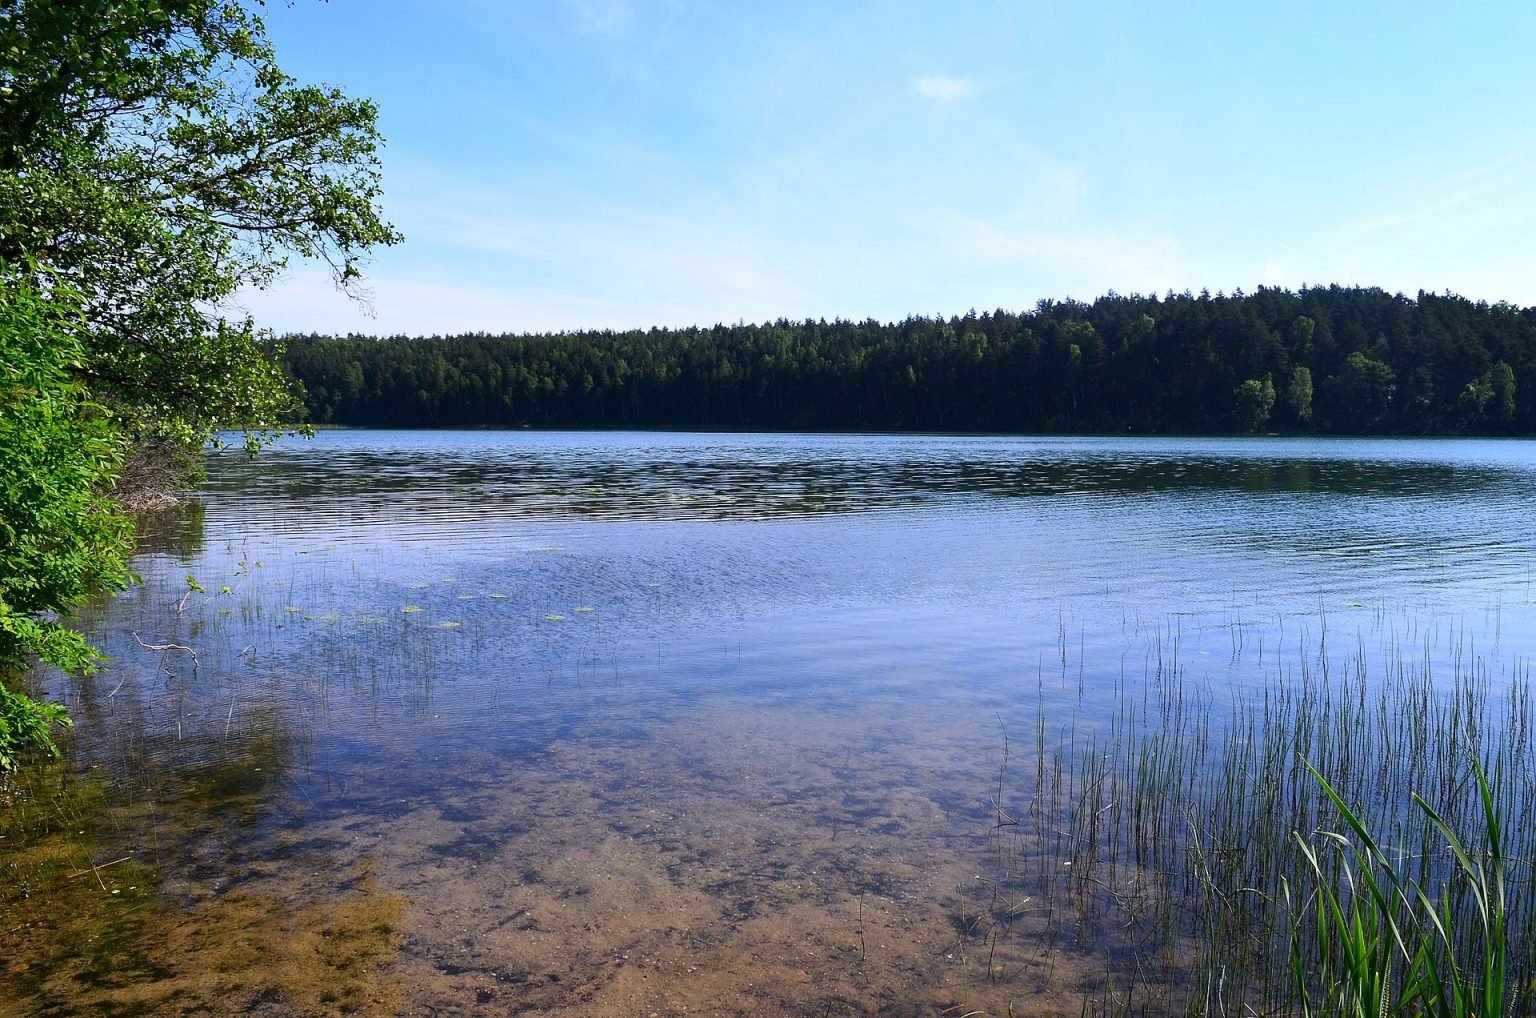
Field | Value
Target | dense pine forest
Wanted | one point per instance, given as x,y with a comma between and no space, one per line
1330,360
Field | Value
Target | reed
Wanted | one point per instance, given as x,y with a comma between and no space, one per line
1197,848
1370,940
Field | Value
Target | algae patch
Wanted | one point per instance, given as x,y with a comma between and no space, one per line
91,924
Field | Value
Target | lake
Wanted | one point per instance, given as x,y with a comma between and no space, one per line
632,724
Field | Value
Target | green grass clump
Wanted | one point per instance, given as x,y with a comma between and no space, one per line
1197,855
1378,943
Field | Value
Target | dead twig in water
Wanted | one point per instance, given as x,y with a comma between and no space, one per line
98,869
167,647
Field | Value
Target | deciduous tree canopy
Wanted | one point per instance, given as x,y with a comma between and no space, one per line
153,155
153,160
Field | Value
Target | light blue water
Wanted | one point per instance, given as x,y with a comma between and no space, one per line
513,584
420,614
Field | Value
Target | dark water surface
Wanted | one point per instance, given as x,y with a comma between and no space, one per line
642,724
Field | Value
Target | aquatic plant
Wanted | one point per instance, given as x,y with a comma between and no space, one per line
1379,944
1197,854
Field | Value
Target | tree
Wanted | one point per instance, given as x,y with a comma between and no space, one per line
1502,379
1360,396
1298,394
1253,401
153,155
1302,330
1488,401
153,160
1473,400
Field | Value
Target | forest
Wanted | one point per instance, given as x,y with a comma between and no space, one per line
1323,360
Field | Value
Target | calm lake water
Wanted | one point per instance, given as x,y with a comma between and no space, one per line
613,724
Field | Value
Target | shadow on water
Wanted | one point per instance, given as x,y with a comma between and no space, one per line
176,531
737,477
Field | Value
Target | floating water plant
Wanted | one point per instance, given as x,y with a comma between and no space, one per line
410,609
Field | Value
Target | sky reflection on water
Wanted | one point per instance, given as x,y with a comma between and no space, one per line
493,663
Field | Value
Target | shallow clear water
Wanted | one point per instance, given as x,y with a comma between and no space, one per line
635,723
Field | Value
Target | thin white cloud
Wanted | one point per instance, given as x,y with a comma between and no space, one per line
1411,216
602,17
466,220
1294,264
1440,199
614,267
304,300
1111,257
942,87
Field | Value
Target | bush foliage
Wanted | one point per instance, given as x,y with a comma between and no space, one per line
153,160
61,537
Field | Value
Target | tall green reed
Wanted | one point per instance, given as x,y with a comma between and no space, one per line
1371,941
1164,838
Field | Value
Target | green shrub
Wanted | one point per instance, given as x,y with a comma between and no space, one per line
26,725
61,537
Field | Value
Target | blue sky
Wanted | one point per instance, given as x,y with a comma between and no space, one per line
617,163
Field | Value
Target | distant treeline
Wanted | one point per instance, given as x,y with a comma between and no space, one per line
1329,360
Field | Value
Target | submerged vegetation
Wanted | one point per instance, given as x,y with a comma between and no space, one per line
100,918
1324,360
